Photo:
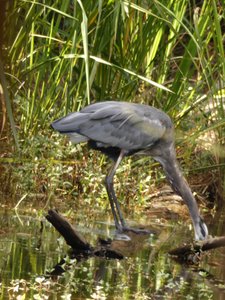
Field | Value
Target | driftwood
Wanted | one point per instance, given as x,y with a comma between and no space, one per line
80,247
189,253
71,236
209,244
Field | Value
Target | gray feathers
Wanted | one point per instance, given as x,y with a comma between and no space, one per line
128,126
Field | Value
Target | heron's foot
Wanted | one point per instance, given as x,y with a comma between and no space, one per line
121,236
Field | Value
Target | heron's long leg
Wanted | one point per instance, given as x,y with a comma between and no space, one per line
117,214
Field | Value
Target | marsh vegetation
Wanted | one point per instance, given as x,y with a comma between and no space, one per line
57,57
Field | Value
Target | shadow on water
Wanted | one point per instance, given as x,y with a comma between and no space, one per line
30,248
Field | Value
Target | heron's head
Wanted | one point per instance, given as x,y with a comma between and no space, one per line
201,230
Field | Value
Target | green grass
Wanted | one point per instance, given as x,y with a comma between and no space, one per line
61,55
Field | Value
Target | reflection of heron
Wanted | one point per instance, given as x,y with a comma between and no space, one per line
120,129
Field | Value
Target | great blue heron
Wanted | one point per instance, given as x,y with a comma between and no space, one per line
120,129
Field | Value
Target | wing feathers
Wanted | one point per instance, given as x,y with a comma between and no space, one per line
118,124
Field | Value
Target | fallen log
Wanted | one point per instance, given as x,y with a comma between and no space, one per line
77,242
71,236
190,253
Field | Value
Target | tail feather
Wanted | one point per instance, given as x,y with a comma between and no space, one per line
70,126
70,123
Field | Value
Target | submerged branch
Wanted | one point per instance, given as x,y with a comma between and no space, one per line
190,253
71,236
77,242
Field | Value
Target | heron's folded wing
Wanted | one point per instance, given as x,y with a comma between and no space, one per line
123,127
117,124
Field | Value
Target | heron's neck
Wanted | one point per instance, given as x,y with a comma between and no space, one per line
179,184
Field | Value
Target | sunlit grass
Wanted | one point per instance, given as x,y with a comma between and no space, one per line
61,56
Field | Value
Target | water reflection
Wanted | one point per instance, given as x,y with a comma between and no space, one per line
30,248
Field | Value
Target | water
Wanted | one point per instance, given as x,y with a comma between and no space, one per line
30,249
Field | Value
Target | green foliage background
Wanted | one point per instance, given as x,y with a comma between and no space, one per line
61,55
57,56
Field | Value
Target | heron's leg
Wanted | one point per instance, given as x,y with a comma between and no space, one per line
117,214
117,224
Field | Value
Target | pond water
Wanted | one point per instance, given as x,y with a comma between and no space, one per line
30,248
